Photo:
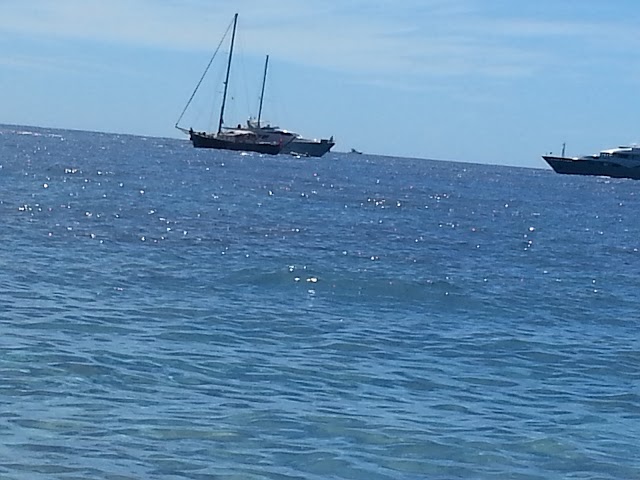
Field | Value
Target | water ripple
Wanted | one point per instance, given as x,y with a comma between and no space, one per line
179,314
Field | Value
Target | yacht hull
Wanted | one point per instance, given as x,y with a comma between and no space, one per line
308,148
573,166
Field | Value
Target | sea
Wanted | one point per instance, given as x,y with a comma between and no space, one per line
175,313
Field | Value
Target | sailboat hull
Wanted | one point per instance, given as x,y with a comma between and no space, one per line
203,140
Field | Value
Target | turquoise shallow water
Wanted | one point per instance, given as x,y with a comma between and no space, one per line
174,313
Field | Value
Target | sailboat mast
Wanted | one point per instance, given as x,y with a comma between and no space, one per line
226,81
264,80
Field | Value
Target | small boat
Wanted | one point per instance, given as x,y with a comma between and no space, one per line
357,152
620,162
292,143
225,138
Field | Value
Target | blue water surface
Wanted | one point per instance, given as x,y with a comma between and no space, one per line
173,313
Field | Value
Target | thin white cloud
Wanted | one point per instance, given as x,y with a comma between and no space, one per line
384,38
64,64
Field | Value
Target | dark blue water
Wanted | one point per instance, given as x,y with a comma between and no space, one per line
173,313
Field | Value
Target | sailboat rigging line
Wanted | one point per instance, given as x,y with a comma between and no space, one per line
204,74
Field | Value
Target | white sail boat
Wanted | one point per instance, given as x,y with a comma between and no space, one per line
292,142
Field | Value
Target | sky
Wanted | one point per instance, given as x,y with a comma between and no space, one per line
483,81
